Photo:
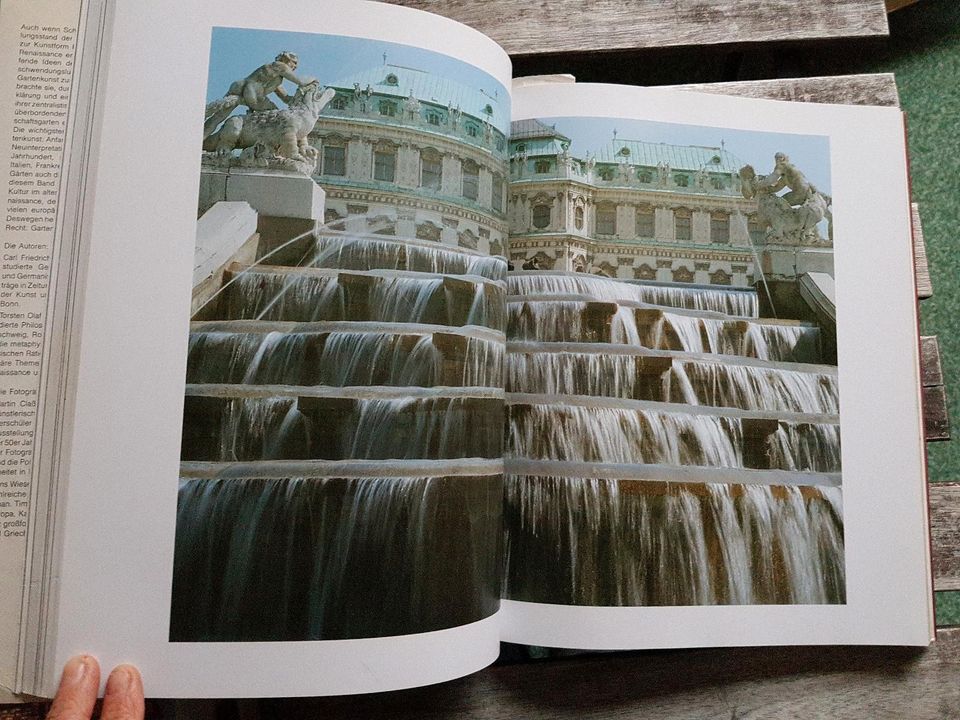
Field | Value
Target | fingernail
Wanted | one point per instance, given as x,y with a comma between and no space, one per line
76,668
120,679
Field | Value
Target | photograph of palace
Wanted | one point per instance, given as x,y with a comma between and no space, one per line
672,401
342,453
437,359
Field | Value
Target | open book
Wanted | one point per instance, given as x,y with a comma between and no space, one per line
357,361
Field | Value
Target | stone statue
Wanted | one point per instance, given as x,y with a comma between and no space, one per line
274,138
412,106
253,90
791,218
663,173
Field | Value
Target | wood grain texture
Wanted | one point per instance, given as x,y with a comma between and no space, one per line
864,89
924,285
554,26
931,370
945,534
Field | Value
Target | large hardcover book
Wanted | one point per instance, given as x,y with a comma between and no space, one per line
351,358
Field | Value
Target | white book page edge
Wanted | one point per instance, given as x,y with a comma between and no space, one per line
889,589
117,541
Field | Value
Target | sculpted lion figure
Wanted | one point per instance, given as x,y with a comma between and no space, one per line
277,134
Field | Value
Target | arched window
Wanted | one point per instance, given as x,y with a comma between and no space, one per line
431,169
542,166
719,228
681,223
471,180
388,108
496,193
384,162
606,220
578,217
334,159
646,222
541,216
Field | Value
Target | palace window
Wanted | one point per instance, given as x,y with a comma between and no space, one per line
471,180
473,130
578,218
681,180
720,228
719,183
541,216
606,220
339,103
434,117
496,193
334,160
542,166
645,222
606,173
645,176
756,231
431,170
681,223
384,163
388,108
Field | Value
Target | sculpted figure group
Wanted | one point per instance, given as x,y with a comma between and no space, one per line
791,218
268,135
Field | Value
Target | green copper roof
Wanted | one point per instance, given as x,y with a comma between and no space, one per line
530,129
678,157
400,82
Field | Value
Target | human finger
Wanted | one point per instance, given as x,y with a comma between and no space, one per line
77,692
123,697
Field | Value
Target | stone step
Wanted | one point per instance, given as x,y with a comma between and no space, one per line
629,372
273,292
728,301
610,430
342,354
270,422
353,251
576,319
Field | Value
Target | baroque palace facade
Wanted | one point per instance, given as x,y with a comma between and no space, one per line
633,210
405,152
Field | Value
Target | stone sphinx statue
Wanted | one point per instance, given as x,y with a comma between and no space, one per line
791,218
277,138
253,90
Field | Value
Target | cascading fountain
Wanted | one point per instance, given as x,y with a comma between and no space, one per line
342,445
666,446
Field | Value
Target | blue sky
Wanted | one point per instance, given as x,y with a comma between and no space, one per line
809,153
236,52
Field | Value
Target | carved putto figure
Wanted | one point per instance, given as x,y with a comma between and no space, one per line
253,90
663,173
790,218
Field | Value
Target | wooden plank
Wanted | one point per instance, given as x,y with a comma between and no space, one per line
945,535
898,4
864,89
930,367
936,418
924,285
557,26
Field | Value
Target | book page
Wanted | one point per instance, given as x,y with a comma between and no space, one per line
297,242
39,154
714,428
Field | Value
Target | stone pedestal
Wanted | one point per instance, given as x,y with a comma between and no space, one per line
270,192
786,262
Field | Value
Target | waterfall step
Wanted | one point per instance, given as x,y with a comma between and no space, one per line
591,401
268,326
580,320
271,292
611,430
352,251
468,467
630,372
729,301
268,422
686,475
344,354
533,347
